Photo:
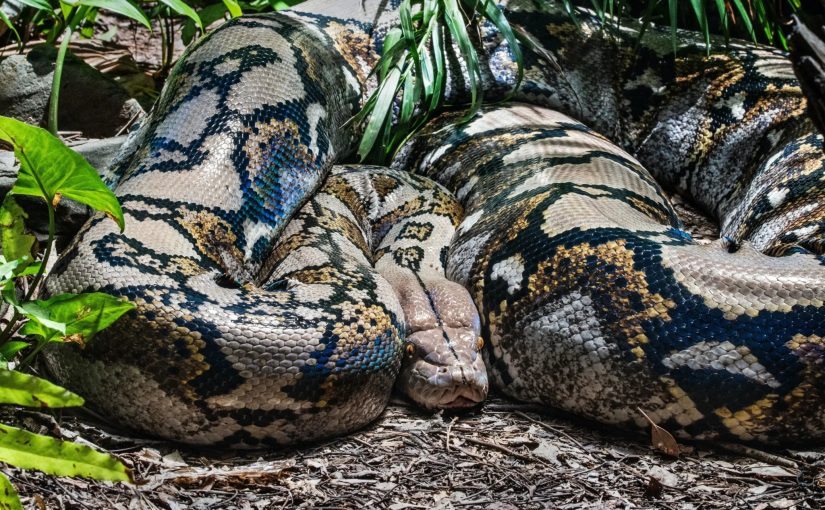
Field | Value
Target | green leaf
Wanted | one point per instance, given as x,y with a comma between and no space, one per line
30,391
73,317
383,105
745,17
122,7
61,458
180,7
14,240
207,15
279,5
456,24
494,14
9,500
14,268
49,169
39,323
233,7
6,21
701,18
673,9
10,349
41,5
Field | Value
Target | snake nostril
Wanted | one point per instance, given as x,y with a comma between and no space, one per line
227,282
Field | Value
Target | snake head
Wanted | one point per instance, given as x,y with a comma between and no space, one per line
443,368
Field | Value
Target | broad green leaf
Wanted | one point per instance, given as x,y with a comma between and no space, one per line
233,8
31,391
80,315
122,7
9,500
14,240
42,5
49,169
61,458
180,7
39,323
10,349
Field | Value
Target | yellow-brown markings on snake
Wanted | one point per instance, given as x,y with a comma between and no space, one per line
567,265
372,318
187,266
410,207
209,231
338,223
384,185
654,211
342,189
445,205
754,418
358,50
416,232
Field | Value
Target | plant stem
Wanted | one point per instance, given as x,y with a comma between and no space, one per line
9,327
46,254
35,351
58,73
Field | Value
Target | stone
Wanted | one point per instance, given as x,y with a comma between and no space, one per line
90,102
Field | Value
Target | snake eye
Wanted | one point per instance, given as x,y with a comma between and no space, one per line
410,348
479,343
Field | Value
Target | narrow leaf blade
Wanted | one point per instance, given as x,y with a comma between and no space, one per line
31,391
61,458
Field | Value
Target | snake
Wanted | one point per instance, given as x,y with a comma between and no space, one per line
282,290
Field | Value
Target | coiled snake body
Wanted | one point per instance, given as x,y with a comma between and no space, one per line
266,319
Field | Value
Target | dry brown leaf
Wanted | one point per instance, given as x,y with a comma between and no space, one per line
660,438
654,488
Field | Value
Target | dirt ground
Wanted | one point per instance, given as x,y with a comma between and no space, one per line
503,456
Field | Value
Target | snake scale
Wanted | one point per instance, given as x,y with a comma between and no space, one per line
279,297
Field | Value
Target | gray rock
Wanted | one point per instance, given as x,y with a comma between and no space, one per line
70,215
89,101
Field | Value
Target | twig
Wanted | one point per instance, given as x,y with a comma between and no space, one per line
504,449
753,453
552,429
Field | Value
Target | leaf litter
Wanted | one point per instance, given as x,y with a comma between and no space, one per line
503,456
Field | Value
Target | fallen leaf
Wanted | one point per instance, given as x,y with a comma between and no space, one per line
661,439
654,489
771,471
783,503
548,452
664,476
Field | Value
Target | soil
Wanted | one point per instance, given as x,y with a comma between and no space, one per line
502,456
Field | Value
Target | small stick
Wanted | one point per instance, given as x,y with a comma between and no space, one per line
504,449
753,453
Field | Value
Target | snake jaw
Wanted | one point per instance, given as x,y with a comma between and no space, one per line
445,370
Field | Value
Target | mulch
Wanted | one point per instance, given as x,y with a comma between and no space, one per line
503,456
